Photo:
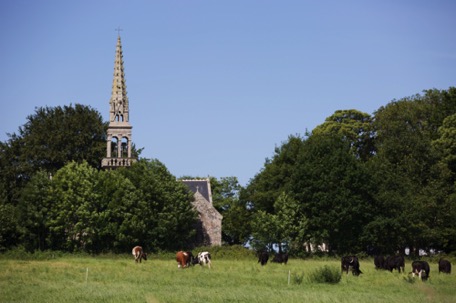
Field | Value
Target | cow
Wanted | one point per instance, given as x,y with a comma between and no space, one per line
395,262
139,254
184,259
351,262
379,262
421,268
204,258
263,257
444,266
280,258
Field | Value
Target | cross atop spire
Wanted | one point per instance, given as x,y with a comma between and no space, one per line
118,29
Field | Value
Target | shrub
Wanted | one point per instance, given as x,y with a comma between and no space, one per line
297,278
325,274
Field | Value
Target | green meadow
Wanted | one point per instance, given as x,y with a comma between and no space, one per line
119,279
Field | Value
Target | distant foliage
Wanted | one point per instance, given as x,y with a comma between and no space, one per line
234,252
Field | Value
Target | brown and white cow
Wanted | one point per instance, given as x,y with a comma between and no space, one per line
139,254
184,259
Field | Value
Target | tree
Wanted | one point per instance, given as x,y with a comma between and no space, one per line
408,172
354,126
51,137
54,136
34,207
264,189
287,226
236,215
333,190
169,219
9,226
75,208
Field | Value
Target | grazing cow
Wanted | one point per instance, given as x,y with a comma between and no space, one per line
204,258
280,258
139,254
379,262
421,268
444,266
395,262
184,259
351,262
263,257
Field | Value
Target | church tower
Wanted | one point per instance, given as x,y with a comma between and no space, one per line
118,151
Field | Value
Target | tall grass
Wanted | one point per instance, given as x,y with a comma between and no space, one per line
104,279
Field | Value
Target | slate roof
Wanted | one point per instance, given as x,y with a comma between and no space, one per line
202,186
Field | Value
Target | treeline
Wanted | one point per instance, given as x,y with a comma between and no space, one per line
53,195
357,182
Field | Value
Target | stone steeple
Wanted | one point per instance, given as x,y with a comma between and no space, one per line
118,151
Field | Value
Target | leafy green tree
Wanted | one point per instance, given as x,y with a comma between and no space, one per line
236,215
50,138
98,211
445,147
354,126
54,136
406,169
169,219
34,207
264,189
10,229
75,207
333,189
287,226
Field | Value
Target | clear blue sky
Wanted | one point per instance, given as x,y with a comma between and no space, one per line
214,86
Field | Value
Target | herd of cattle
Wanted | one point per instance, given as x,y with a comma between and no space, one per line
419,268
348,263
183,258
351,263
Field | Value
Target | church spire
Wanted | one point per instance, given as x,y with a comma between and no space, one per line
119,111
118,139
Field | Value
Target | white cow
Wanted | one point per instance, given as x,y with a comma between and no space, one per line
204,258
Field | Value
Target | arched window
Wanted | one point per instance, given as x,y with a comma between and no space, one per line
124,149
114,144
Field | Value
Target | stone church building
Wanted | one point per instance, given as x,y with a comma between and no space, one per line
118,154
209,227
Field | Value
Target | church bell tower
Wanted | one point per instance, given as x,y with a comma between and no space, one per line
118,151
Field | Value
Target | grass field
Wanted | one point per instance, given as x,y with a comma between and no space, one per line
96,279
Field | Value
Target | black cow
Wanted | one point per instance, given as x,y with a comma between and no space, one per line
280,258
263,257
351,262
379,262
421,268
444,266
395,262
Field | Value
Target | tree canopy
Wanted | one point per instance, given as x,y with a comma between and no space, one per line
357,182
